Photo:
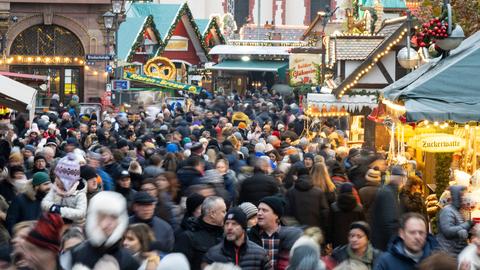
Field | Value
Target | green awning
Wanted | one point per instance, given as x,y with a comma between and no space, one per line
255,65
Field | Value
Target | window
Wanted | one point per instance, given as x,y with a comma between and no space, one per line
47,40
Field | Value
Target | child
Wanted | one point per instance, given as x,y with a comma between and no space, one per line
68,194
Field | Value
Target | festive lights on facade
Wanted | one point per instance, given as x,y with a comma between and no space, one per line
376,58
31,59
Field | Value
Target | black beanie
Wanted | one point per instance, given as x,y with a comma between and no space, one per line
361,225
237,214
276,203
88,172
193,201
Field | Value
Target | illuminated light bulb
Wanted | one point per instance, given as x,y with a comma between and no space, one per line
81,62
426,122
29,59
435,123
95,73
87,68
467,126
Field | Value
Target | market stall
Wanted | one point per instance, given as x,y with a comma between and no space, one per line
434,110
17,96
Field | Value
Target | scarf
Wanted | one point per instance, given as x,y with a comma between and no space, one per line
367,258
67,193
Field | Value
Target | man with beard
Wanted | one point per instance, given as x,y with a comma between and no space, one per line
40,249
27,205
236,248
107,221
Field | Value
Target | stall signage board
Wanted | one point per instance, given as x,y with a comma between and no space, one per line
304,68
120,85
439,142
162,82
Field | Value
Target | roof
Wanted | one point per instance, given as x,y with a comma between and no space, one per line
388,4
288,32
272,66
16,95
128,34
249,50
390,26
164,15
369,62
443,89
351,103
348,48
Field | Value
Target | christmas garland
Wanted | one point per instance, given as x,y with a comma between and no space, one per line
140,39
442,172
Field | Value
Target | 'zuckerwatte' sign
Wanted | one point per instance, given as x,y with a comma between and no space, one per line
439,142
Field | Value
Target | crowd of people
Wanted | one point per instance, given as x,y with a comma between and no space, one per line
228,182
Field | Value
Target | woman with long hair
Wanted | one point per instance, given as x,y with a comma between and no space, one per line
138,239
321,179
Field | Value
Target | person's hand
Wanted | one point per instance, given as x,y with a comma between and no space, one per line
465,265
463,234
55,209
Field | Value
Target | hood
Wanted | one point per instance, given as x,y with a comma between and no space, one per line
106,202
303,183
346,202
456,194
396,247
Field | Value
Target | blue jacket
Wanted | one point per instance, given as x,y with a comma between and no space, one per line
396,259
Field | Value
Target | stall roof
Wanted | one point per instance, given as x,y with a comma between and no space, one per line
444,89
249,50
16,95
272,66
351,103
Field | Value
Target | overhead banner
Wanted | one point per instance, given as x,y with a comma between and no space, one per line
162,82
438,142
304,68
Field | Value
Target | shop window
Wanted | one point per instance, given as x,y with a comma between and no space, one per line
47,40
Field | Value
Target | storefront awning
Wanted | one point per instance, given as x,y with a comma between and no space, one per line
272,66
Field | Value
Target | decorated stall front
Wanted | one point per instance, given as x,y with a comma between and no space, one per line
433,113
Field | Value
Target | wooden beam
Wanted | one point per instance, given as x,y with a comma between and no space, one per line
384,71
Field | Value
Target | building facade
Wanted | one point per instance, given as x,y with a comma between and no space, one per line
53,38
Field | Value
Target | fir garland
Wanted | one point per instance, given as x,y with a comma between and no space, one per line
442,172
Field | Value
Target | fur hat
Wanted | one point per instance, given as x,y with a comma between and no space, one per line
106,202
68,170
135,167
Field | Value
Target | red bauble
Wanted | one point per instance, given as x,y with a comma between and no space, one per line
435,28
439,24
422,44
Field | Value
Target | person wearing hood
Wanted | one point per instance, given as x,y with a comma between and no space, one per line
14,184
386,209
412,245
343,212
26,205
452,227
305,193
68,195
107,221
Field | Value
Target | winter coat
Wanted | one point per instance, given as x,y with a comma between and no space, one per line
307,204
161,229
396,258
412,203
287,236
386,214
342,213
344,253
249,256
25,206
452,227
367,196
196,241
469,255
85,257
114,170
7,191
356,175
260,185
73,207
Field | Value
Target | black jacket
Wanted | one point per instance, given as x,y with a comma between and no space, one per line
342,213
260,185
87,256
249,256
386,215
305,194
196,241
188,176
25,206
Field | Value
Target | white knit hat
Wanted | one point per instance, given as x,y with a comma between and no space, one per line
68,170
